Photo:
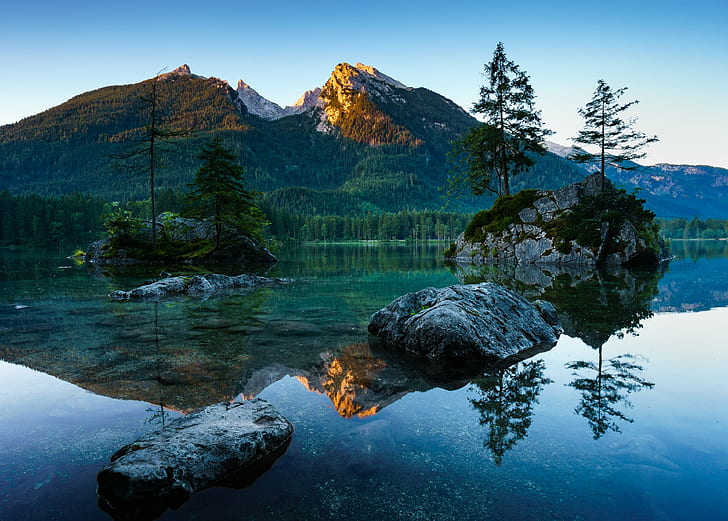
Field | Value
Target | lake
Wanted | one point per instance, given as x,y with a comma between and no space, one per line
624,419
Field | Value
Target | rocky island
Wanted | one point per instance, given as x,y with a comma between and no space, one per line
580,224
180,240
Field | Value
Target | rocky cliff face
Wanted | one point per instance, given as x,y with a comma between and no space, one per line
550,231
266,109
339,92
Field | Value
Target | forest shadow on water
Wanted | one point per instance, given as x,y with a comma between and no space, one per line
564,433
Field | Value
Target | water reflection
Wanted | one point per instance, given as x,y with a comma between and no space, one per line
505,402
696,280
593,305
424,457
179,355
697,249
348,379
604,387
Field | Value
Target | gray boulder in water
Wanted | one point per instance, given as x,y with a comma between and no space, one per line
228,444
477,322
197,285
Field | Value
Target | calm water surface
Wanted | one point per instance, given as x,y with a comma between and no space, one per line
623,419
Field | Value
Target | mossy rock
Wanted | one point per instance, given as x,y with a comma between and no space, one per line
504,212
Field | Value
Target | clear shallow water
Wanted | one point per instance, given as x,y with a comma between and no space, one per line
375,438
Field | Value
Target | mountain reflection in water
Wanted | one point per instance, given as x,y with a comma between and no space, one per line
186,354
492,443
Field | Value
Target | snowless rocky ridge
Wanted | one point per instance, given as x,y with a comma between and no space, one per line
344,79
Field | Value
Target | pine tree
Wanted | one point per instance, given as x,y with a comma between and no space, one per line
616,142
145,155
494,151
218,192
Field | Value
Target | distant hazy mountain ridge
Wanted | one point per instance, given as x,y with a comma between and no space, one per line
672,190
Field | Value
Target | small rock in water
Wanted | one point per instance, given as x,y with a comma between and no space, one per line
201,286
227,444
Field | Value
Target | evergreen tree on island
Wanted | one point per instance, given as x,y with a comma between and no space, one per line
617,143
145,155
218,192
491,153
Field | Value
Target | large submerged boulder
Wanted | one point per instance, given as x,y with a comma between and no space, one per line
228,444
196,285
579,224
465,323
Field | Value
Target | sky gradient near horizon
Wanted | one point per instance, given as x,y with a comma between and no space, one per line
671,54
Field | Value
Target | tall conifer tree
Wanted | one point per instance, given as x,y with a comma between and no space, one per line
218,192
145,154
616,142
499,148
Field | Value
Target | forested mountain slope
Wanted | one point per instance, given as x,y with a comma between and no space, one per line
362,143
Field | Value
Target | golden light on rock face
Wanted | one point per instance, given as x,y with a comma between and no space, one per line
346,380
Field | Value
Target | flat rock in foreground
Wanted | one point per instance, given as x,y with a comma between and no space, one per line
458,324
196,285
227,444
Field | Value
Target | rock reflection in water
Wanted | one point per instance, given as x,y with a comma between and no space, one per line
593,305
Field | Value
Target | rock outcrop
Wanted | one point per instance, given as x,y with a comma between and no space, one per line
461,324
228,444
196,286
541,232
266,109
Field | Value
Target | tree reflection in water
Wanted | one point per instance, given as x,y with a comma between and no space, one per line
159,414
612,303
606,390
505,402
593,305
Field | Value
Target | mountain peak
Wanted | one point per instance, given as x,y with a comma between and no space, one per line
310,98
182,70
362,77
378,75
266,109
257,104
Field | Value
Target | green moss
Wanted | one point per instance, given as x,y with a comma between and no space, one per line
583,223
423,308
504,212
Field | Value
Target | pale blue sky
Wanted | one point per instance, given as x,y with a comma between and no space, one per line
673,55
